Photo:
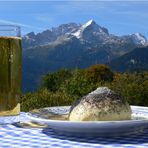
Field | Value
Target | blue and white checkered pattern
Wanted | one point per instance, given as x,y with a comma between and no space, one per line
12,136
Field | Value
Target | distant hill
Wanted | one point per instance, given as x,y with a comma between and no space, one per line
72,45
136,60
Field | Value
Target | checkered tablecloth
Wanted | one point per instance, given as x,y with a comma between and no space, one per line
12,136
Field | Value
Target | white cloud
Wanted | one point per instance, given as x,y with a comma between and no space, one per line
19,24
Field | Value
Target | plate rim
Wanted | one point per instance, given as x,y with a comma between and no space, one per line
37,119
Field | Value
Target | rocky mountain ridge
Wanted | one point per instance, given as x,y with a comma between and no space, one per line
72,46
88,32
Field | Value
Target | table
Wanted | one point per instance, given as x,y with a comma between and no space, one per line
13,136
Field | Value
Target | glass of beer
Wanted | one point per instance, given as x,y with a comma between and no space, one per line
10,73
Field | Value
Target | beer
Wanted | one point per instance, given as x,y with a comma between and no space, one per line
10,76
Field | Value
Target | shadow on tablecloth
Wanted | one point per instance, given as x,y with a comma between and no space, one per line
139,138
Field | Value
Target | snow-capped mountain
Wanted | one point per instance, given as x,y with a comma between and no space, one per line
72,45
65,29
90,29
138,38
47,36
89,32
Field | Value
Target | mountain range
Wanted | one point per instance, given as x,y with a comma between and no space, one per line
75,45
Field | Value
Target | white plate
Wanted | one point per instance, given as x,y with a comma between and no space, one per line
54,117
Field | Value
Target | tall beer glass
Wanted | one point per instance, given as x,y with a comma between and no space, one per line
10,73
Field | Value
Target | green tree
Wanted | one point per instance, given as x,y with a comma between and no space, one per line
64,86
133,86
44,98
99,72
53,81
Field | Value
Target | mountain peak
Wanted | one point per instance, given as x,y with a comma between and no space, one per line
91,27
139,38
90,32
90,22
31,34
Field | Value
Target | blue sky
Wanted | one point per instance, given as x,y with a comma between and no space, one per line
120,17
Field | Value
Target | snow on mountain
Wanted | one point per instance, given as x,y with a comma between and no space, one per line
138,38
49,35
65,29
89,32
79,32
73,45
90,22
